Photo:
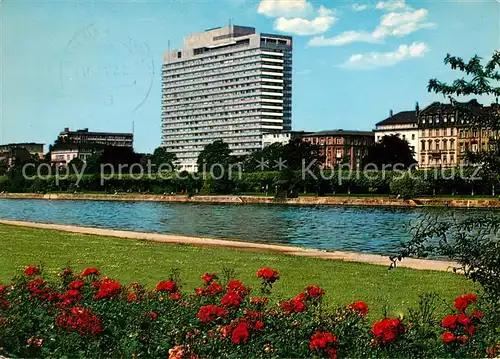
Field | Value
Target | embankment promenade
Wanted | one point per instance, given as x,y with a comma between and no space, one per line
413,263
302,200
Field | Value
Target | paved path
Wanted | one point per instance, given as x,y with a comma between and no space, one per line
423,264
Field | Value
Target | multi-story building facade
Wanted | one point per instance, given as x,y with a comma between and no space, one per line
403,124
227,83
281,137
99,138
23,151
342,147
63,154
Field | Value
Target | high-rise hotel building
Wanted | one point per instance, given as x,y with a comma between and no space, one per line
227,83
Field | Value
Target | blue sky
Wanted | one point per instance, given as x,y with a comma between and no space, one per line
97,64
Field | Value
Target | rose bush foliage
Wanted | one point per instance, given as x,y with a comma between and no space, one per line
88,315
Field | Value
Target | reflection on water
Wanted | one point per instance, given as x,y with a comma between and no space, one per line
362,229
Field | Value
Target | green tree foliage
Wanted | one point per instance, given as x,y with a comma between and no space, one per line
292,156
214,155
164,160
389,152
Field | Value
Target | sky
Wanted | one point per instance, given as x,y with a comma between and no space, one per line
97,64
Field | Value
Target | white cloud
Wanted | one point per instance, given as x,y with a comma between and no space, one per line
359,7
285,8
300,26
396,24
373,60
344,38
393,5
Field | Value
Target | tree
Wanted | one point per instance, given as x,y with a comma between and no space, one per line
76,165
264,159
3,167
161,158
213,156
391,151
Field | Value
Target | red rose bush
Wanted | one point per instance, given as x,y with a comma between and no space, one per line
89,315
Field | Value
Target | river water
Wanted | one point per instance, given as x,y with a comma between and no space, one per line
361,229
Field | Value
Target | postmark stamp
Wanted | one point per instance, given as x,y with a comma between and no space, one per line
104,69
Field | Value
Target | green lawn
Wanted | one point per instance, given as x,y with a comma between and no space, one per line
149,262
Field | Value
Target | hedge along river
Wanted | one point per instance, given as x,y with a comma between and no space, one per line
378,230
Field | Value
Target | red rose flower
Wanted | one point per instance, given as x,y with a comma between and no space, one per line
463,319
471,298
238,287
313,291
259,301
76,285
321,340
463,338
32,270
258,325
90,271
2,289
231,299
477,314
449,337
66,272
175,296
240,333
324,342
462,302
208,278
450,321
70,297
81,320
132,297
108,288
268,275
360,307
470,329
209,313
212,289
388,330
295,305
301,297
153,315
166,286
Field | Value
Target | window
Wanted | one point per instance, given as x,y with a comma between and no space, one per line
404,137
338,153
413,137
423,145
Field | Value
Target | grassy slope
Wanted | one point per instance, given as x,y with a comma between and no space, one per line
147,262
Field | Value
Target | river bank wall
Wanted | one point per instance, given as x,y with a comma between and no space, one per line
305,200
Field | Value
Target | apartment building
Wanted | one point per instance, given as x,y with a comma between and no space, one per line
438,132
84,136
227,83
342,147
281,137
403,124
63,154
